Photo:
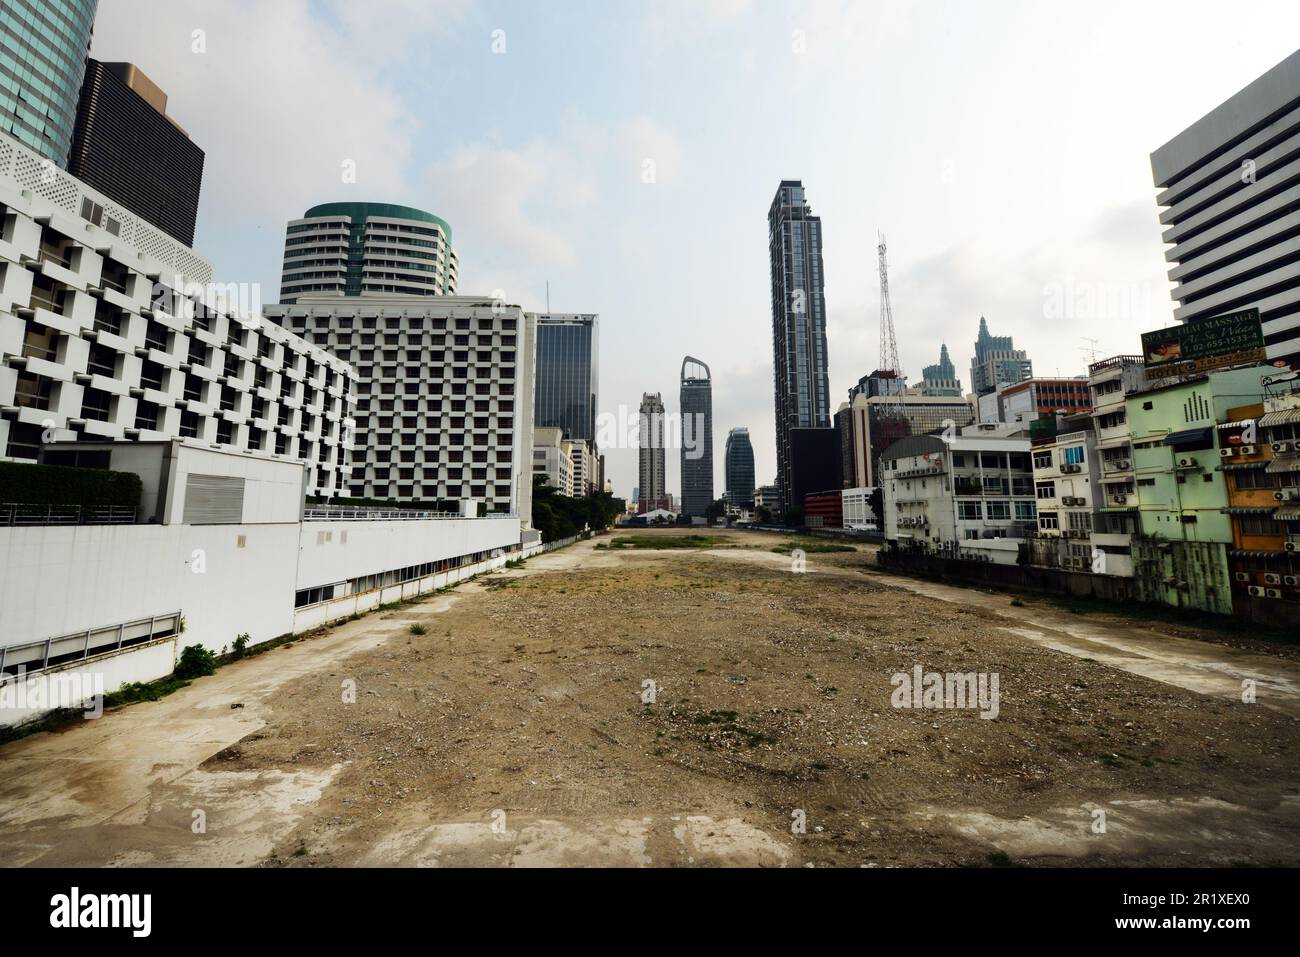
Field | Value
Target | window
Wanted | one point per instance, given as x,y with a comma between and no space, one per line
1046,490
1048,521
999,511
1042,460
969,511
1073,455
1026,511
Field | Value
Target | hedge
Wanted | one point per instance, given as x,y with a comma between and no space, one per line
24,484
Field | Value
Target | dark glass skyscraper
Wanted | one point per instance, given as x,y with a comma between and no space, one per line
740,468
43,48
127,147
697,437
798,328
567,375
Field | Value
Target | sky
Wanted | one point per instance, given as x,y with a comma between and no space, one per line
628,152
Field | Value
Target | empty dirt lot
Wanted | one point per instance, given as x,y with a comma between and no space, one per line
687,707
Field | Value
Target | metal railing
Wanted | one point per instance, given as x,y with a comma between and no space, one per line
341,513
16,514
79,645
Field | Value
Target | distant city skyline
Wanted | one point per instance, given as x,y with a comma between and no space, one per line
587,185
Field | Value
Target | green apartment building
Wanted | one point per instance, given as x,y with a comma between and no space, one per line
1181,552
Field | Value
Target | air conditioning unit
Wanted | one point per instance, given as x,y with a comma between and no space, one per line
1187,462
1271,579
1227,453
1291,580
1287,494
1119,499
1242,576
1248,450
1292,546
1071,468
1281,447
1255,591
1272,593
1123,465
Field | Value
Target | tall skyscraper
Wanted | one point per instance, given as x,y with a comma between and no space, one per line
739,468
367,249
798,329
653,490
997,362
697,437
43,48
127,147
1228,187
568,365
941,379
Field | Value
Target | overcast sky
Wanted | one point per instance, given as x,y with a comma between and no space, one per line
1002,146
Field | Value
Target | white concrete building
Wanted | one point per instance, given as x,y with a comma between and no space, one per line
445,394
223,548
1117,503
110,329
583,466
949,496
1067,489
1228,198
551,459
367,249
858,516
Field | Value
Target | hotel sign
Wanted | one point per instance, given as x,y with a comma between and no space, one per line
1194,347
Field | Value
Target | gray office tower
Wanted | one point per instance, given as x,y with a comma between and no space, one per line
997,362
798,330
1230,204
697,437
43,48
567,375
740,468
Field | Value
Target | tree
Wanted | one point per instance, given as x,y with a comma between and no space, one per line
716,510
559,516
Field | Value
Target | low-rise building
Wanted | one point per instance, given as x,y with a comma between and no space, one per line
551,459
824,509
1109,382
1186,529
1067,470
946,495
1260,460
858,511
582,465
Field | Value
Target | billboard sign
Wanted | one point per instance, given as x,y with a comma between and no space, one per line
1234,339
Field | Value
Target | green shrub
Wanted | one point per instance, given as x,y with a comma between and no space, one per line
27,484
418,630
196,661
238,650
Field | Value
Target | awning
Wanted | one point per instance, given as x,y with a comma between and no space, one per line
1284,465
1235,425
1248,510
1247,553
1191,439
1239,466
1287,513
1115,443
1117,479
1285,417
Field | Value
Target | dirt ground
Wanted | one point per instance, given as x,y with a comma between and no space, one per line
699,707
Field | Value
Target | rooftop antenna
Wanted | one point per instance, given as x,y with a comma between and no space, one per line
1089,349
888,343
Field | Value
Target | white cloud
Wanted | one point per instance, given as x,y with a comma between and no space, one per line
278,101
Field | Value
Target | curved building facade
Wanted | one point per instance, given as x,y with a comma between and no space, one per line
697,437
367,249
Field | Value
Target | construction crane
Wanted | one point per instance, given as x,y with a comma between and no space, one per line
888,343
